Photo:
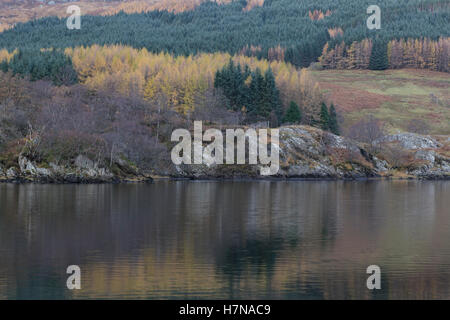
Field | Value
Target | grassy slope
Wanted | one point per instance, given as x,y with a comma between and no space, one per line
14,12
22,12
394,96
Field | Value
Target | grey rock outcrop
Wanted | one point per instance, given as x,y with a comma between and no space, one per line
84,170
410,141
304,152
307,152
11,173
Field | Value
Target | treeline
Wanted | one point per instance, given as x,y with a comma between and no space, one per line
253,93
378,55
249,86
169,5
295,31
204,86
257,96
420,53
186,84
129,101
52,65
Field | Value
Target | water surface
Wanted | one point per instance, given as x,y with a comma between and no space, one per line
226,240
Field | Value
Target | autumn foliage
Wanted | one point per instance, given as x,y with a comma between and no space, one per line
403,53
182,80
318,14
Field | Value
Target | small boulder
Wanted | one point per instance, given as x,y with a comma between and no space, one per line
23,163
83,162
11,173
26,166
427,155
55,168
43,172
380,165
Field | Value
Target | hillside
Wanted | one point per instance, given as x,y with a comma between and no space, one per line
396,97
115,90
13,12
293,31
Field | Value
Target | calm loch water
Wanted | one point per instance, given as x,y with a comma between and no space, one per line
226,240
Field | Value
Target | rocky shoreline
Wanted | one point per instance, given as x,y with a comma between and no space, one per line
83,171
310,153
305,153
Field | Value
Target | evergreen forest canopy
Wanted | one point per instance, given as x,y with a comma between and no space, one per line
294,31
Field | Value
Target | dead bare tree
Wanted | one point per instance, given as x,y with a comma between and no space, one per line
366,131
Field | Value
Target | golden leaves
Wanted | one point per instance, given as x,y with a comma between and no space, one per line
182,80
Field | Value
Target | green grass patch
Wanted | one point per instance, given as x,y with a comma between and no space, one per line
413,94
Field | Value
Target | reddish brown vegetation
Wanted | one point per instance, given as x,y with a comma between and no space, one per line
319,14
334,32
252,4
352,99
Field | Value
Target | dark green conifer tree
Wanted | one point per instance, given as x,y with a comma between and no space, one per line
293,114
273,101
379,57
324,117
333,124
254,98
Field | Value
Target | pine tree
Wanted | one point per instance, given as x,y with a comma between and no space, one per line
273,96
324,117
4,66
333,123
231,79
379,57
293,114
51,65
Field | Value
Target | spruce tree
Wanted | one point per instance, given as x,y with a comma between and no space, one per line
293,114
265,93
231,79
273,96
333,124
4,66
51,65
379,57
255,97
324,117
